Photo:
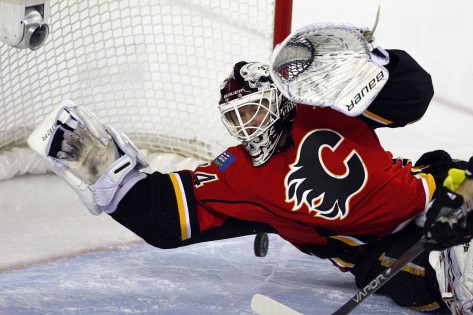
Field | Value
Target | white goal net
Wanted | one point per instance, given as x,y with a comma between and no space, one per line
151,69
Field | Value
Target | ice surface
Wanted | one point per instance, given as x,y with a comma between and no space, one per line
59,259
93,276
56,258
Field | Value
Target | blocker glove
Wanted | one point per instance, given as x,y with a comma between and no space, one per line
98,163
441,228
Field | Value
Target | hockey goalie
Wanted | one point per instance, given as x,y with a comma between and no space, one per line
309,168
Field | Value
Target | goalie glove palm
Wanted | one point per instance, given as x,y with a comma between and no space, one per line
86,156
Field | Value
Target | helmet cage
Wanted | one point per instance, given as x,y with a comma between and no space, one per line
248,117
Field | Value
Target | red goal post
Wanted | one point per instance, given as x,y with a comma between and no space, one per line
282,20
151,69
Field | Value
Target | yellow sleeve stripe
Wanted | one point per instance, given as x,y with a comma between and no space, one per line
429,185
182,206
377,118
348,240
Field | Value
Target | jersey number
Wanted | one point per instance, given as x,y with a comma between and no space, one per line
202,178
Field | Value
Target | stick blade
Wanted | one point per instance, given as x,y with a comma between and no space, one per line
264,305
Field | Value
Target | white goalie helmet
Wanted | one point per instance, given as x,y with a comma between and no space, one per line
253,110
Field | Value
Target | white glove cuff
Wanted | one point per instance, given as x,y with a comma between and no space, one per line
121,175
111,194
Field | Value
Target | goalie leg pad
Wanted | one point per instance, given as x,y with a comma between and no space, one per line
454,271
100,180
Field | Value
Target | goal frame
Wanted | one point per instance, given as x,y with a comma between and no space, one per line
17,159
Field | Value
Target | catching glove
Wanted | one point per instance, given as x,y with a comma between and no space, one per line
330,65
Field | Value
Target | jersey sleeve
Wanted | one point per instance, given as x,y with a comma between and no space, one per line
162,210
405,97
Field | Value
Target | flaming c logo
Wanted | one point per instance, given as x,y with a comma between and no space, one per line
311,182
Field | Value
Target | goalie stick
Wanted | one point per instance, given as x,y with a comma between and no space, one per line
264,305
382,278
268,306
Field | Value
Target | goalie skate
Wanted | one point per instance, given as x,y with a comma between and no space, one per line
454,270
97,162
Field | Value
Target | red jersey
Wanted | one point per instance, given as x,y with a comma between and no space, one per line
335,178
331,190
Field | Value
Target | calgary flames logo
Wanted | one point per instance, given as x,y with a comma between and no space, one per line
312,182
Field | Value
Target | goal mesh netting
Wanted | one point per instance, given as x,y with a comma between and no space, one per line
151,69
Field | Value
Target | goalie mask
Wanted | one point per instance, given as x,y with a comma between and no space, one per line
253,110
